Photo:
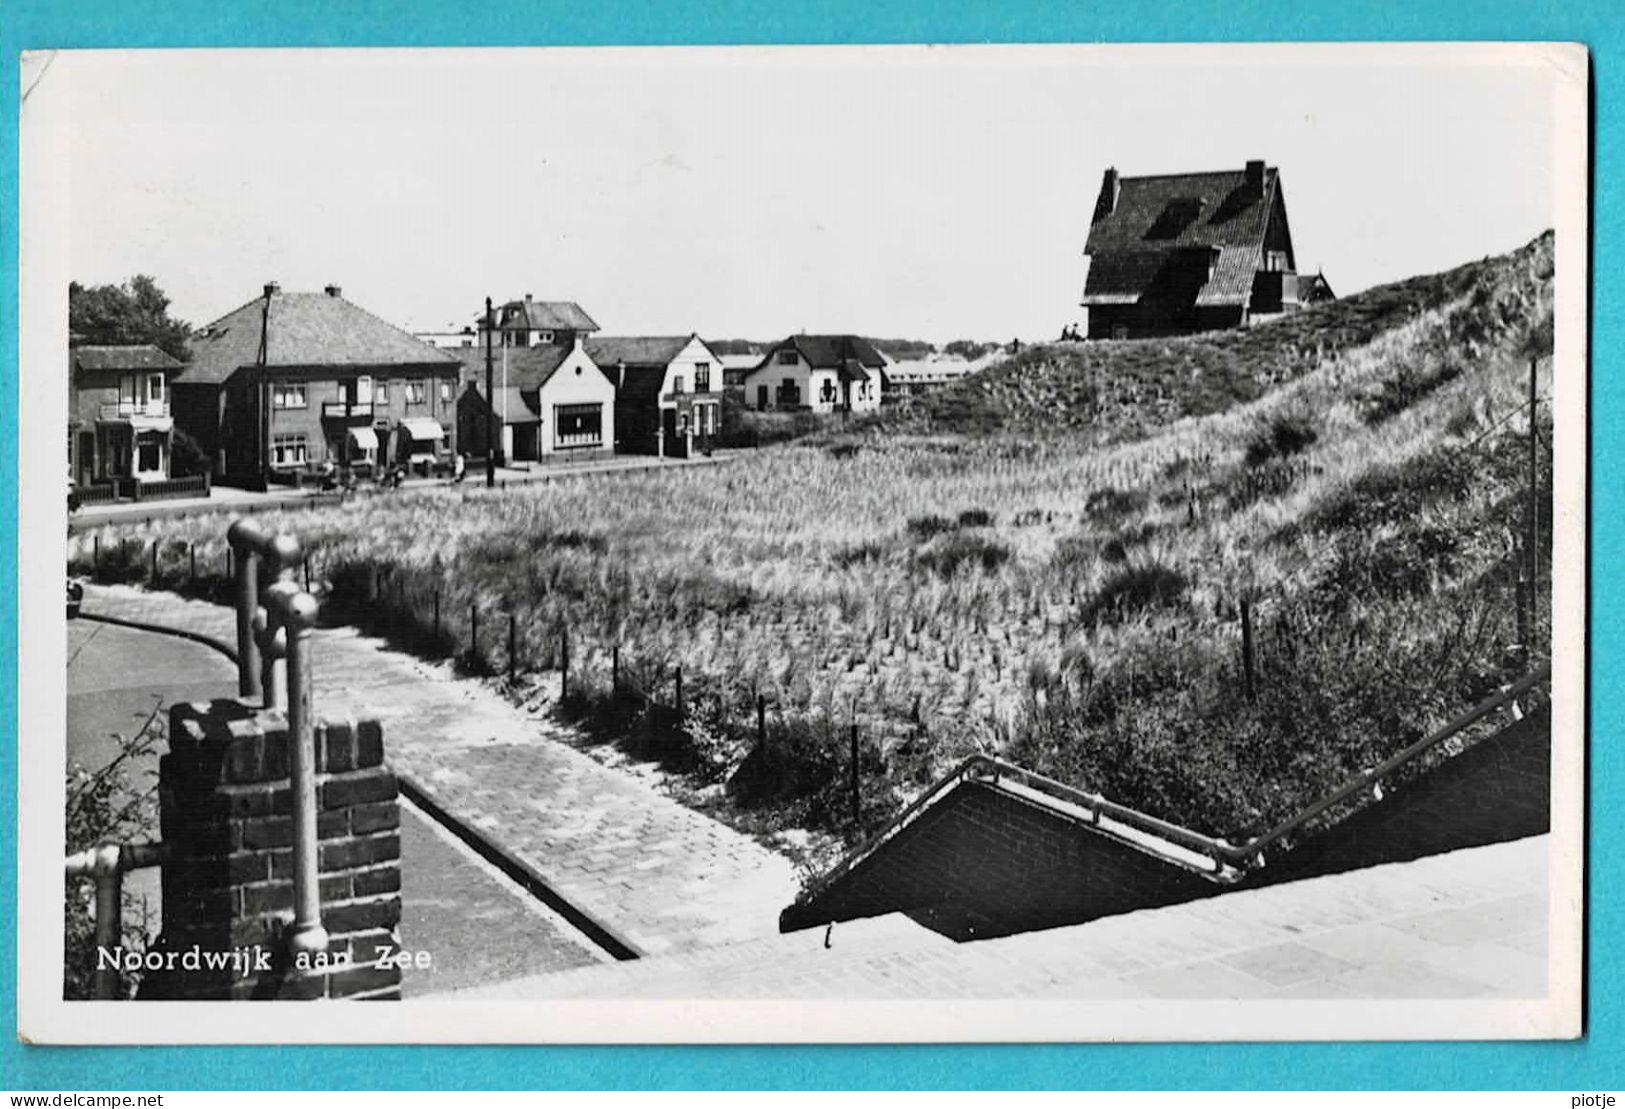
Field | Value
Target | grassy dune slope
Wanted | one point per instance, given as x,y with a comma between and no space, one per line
1120,389
1061,588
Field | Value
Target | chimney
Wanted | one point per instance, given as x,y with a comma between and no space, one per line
333,290
271,289
1111,186
1255,177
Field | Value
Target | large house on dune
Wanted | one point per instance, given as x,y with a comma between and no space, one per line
1186,252
291,382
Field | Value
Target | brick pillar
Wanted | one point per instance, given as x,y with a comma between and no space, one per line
225,812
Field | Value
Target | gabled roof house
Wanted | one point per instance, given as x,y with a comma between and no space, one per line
1178,253
548,400
291,381
668,391
820,373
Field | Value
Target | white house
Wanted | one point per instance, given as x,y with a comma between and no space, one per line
818,373
550,401
668,392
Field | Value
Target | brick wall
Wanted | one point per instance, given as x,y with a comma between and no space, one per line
226,813
982,862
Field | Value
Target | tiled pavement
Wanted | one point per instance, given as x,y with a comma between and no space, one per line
662,877
1466,924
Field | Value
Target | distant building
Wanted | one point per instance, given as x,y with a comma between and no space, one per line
449,340
119,423
292,381
668,392
529,323
551,402
1179,253
818,373
735,367
908,379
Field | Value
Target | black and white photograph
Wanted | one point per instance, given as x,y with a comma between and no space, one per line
875,544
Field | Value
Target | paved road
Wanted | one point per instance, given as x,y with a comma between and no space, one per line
478,926
226,498
1467,924
659,876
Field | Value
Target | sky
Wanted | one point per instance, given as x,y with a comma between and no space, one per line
932,193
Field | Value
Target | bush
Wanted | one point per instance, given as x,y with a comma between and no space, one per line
1135,588
959,550
1286,434
1407,387
924,528
976,518
111,804
187,458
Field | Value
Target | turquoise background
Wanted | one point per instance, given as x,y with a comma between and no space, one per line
1593,1063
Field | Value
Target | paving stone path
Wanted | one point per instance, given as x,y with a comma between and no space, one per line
660,876
1467,924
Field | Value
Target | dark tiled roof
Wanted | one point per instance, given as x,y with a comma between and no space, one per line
528,367
550,315
639,383
657,350
143,356
305,330
1163,227
830,352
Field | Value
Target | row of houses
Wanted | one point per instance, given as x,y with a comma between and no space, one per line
290,384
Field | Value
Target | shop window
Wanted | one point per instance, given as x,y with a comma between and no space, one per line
578,425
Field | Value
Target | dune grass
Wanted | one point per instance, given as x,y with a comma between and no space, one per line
1069,601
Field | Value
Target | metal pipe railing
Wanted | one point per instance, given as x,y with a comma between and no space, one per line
106,866
293,611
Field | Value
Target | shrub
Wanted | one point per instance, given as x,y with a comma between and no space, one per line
1286,434
1134,588
924,528
975,518
111,804
961,550
1405,388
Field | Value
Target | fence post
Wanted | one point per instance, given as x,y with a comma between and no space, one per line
307,571
513,644
679,694
1247,647
761,722
473,631
615,670
191,557
564,663
437,619
857,802
154,577
96,557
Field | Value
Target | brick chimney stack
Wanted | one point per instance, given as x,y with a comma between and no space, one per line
333,290
271,289
1110,188
1255,177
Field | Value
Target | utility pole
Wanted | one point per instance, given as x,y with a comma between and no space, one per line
490,403
1532,534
